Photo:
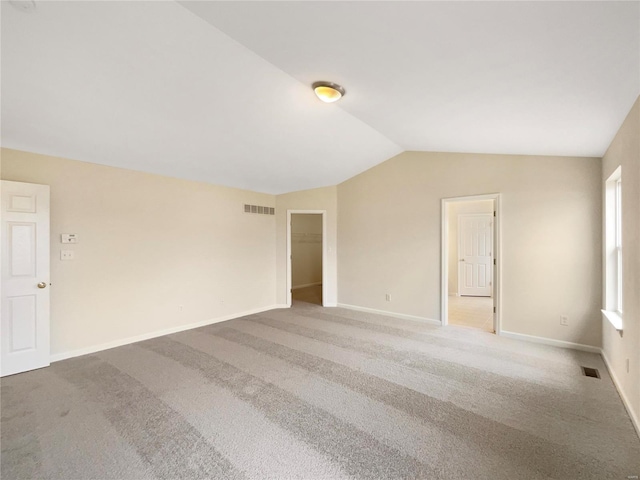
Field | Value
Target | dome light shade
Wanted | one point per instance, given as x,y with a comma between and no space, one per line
328,92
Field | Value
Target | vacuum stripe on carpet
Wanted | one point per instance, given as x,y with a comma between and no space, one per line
445,415
358,453
157,431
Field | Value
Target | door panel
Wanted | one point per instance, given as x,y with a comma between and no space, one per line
22,248
468,275
475,233
23,322
482,276
25,277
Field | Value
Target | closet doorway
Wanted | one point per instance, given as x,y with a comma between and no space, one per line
306,257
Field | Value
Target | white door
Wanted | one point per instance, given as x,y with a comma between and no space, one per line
475,245
25,277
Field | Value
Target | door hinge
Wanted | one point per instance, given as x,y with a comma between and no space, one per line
494,213
494,261
494,309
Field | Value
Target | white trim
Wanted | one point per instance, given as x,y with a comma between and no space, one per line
550,341
614,318
611,283
305,285
324,253
430,321
497,255
158,333
625,400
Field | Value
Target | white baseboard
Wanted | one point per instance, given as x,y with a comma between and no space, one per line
158,333
550,341
625,400
390,314
305,285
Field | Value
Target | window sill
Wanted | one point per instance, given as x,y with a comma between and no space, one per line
614,319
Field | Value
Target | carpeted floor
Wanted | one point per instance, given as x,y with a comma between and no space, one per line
318,393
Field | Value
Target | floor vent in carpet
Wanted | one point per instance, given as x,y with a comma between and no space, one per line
590,372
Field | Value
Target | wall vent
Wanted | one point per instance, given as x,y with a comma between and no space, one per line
259,209
590,372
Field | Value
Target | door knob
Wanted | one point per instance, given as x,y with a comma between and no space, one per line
42,285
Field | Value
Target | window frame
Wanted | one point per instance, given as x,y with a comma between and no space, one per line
613,254
618,245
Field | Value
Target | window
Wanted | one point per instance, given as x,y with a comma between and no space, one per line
613,307
618,207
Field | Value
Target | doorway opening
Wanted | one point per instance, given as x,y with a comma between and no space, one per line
306,253
471,262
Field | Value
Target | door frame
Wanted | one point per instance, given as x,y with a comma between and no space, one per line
324,251
497,256
460,216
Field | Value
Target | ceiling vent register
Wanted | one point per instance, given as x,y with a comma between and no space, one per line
259,210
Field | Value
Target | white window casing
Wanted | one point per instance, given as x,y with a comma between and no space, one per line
613,260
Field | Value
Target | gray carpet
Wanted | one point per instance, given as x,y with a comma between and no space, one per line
319,393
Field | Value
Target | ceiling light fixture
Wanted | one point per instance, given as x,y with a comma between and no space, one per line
328,92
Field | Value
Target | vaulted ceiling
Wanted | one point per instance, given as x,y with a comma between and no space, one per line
220,91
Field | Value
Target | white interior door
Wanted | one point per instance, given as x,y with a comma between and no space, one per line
25,277
475,245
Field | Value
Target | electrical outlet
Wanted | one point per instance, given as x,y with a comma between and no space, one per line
180,307
66,255
564,320
388,297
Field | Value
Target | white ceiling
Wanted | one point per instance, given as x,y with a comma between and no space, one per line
220,91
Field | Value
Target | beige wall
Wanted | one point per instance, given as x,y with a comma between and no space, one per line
389,237
316,199
625,151
147,244
455,209
306,250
